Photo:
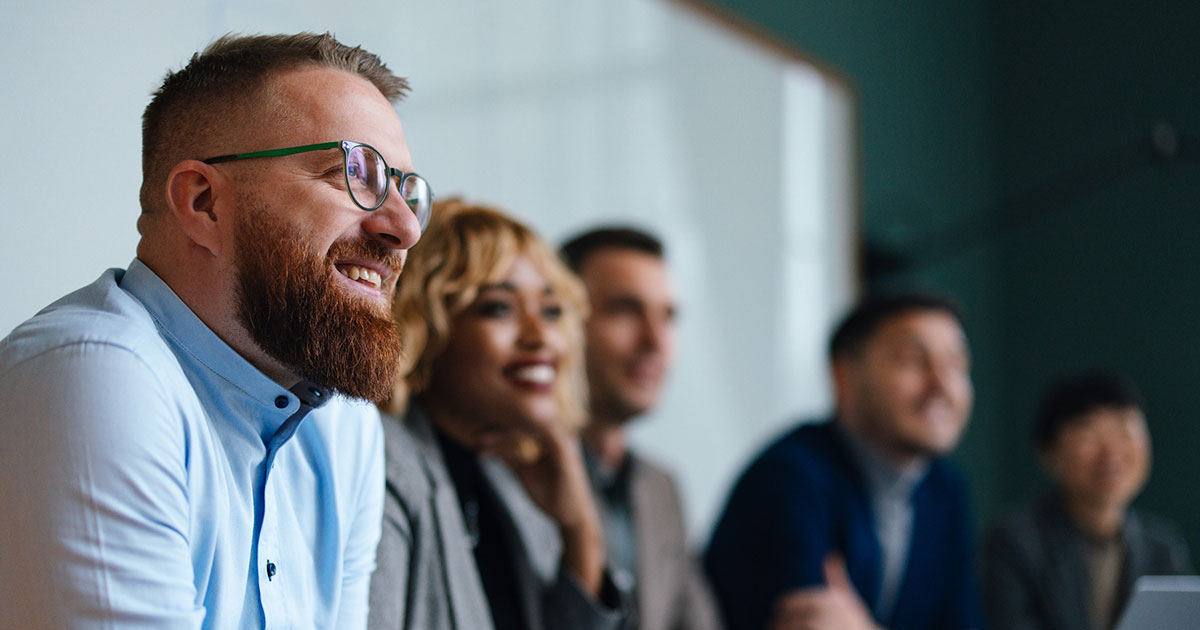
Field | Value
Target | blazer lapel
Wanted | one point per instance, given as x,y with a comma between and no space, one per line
1065,573
860,547
538,548
1137,561
653,543
468,603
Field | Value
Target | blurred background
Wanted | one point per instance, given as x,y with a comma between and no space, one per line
1037,161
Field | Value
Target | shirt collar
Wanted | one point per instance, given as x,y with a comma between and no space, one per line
203,350
608,481
883,476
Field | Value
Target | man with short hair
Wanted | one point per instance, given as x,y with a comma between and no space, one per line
1069,561
860,522
630,344
180,447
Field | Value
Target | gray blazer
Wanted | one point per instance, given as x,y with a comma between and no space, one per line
426,578
1034,576
672,592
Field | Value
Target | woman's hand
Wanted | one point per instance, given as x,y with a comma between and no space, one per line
548,461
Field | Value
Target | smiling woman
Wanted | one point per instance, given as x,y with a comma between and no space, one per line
491,396
468,254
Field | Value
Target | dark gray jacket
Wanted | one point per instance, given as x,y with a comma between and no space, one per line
426,578
1034,577
672,592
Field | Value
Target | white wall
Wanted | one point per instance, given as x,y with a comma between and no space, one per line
567,113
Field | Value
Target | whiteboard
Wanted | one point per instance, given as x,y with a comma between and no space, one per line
568,114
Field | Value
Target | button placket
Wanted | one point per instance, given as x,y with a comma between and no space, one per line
276,579
271,568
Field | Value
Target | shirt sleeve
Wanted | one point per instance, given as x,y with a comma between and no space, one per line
363,539
94,484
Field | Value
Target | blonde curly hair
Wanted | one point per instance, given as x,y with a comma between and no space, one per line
468,246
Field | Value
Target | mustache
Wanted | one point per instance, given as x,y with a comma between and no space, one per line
369,249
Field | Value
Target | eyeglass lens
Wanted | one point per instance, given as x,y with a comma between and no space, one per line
417,196
367,175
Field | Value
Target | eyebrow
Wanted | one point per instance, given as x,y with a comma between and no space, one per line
318,165
498,286
911,341
632,299
325,161
511,288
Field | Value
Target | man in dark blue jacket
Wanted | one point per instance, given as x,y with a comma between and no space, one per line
859,522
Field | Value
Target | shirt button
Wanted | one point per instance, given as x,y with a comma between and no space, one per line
281,402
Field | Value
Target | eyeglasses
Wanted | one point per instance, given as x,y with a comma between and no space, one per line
367,176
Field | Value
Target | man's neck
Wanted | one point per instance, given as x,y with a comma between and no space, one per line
1097,521
233,333
210,304
885,475
607,442
899,459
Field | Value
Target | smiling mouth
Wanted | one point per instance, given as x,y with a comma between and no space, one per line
646,373
368,277
540,375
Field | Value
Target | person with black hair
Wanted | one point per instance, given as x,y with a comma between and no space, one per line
1069,560
859,521
630,335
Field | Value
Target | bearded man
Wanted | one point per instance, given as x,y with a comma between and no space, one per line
189,442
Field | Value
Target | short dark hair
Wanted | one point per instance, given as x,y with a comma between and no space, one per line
1073,396
195,102
576,250
860,324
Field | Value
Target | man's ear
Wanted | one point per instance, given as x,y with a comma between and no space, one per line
841,370
192,196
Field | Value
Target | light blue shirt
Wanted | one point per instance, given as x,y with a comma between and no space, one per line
150,477
890,488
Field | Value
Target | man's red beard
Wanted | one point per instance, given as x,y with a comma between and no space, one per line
290,303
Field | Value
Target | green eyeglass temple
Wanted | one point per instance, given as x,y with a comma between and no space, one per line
421,206
277,152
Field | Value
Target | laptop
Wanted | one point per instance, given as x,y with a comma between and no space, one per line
1163,603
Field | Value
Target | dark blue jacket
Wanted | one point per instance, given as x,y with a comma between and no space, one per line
803,498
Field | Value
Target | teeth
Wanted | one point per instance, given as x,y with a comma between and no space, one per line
541,374
362,274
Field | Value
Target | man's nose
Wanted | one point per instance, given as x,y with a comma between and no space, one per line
394,223
941,375
655,332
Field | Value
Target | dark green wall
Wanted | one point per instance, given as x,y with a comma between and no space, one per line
929,163
1105,273
1006,161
